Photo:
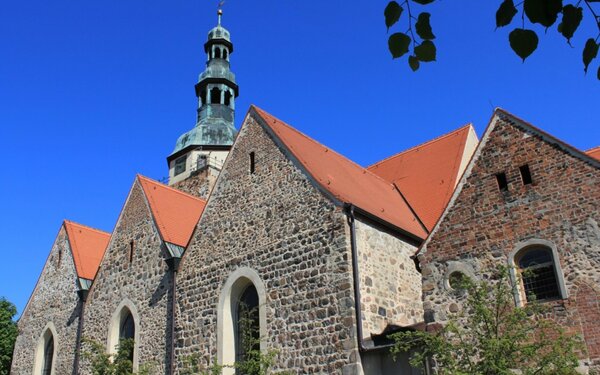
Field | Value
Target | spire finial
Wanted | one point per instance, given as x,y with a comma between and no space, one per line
220,10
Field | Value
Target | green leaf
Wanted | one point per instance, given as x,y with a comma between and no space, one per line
505,13
392,13
425,51
590,51
423,2
423,27
570,21
598,73
413,62
544,12
398,44
523,42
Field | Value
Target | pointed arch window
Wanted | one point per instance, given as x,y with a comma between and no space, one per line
48,355
247,324
123,326
45,356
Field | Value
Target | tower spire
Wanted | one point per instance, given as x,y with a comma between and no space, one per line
216,91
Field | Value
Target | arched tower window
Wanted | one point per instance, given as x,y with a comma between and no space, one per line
247,324
217,53
225,53
215,96
535,268
45,356
228,98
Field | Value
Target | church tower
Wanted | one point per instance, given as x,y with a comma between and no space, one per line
202,150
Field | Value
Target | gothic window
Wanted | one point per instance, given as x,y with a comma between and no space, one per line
45,354
242,318
227,98
247,324
122,334
215,96
48,355
180,165
537,268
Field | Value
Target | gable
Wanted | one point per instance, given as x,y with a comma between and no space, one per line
343,179
594,152
88,246
508,144
427,174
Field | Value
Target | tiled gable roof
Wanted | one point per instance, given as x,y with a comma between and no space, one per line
594,152
175,212
88,246
345,180
427,174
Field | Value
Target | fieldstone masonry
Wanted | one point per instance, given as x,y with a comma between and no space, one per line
145,281
484,224
389,280
54,301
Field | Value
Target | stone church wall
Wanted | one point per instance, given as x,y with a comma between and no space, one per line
390,283
484,225
145,282
54,301
276,223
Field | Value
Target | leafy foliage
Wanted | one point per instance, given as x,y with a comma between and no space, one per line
254,362
102,363
8,334
493,336
523,41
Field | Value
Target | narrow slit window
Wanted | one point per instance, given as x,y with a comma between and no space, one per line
525,174
502,181
252,163
59,257
131,248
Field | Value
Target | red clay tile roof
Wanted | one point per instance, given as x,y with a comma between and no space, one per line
427,174
87,246
345,180
594,152
175,212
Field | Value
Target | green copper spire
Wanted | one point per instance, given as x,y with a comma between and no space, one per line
216,91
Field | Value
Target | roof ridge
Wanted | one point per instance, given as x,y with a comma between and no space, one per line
438,138
592,149
329,149
66,221
169,188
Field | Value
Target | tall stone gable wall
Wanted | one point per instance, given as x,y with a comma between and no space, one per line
146,282
484,225
275,222
55,301
389,281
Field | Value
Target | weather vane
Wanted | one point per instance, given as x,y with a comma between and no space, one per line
220,10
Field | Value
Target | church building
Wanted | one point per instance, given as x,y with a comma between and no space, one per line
329,256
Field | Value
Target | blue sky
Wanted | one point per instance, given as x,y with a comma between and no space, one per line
93,92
